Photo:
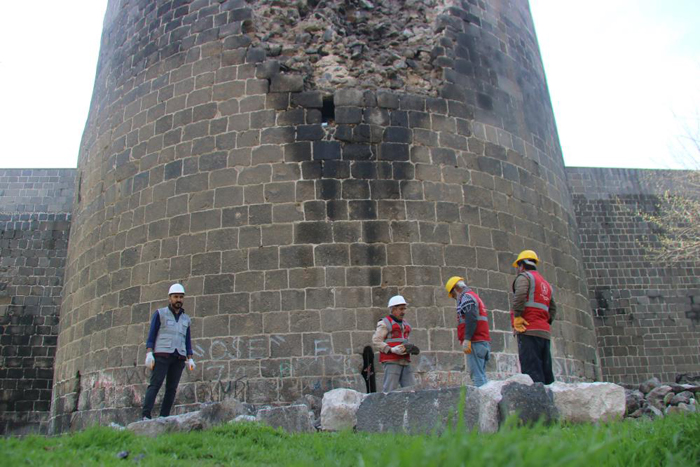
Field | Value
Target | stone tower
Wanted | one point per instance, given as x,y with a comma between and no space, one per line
294,164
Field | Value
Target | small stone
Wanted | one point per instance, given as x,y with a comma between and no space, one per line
652,412
123,455
656,397
649,384
680,398
633,401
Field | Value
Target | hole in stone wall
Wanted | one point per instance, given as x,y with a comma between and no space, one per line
328,111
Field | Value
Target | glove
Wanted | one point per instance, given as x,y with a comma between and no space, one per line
411,349
467,347
150,361
519,324
190,364
399,350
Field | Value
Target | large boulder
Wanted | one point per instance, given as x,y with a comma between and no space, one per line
339,409
187,422
589,402
215,413
529,403
208,416
490,396
417,412
291,418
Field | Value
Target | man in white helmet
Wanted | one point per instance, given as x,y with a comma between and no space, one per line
169,348
391,339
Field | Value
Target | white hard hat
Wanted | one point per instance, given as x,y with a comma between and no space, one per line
397,300
176,288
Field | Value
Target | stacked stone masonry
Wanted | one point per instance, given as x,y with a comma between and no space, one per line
35,208
646,313
292,208
294,164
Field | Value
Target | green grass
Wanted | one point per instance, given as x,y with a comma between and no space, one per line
671,441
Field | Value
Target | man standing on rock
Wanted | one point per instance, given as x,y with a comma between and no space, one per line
533,312
472,328
169,345
391,339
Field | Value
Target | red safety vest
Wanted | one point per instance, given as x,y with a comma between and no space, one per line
481,333
539,295
397,335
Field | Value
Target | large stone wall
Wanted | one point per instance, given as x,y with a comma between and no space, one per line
35,207
292,206
647,314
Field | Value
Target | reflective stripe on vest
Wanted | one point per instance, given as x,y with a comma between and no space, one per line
404,329
389,325
172,333
531,303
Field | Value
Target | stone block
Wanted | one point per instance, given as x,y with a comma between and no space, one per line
293,418
332,255
337,320
417,412
313,232
325,150
589,402
367,255
287,83
317,344
247,324
528,403
339,408
297,256
348,97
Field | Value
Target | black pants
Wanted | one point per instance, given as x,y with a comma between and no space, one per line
169,369
535,358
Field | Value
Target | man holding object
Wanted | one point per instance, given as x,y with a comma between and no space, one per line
391,340
169,348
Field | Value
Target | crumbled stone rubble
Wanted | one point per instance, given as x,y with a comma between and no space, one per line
353,43
654,399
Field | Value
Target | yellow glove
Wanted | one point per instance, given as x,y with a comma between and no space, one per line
519,324
467,347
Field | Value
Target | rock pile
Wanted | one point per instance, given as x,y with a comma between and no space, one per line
433,410
353,43
655,399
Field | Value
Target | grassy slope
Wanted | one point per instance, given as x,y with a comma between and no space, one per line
669,441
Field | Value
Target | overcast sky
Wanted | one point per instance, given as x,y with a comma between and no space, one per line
623,76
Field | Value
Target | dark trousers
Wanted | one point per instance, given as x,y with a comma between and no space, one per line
169,369
535,358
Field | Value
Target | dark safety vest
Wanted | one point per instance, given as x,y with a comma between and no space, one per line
539,295
397,335
481,334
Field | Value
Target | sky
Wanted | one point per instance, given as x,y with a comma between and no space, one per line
623,75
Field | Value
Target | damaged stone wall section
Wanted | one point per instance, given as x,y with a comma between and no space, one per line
354,43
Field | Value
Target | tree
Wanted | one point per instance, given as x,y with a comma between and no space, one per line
676,221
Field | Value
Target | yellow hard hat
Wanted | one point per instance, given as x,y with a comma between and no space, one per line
451,282
526,254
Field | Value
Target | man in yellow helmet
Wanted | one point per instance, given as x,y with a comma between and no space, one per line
532,315
472,328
